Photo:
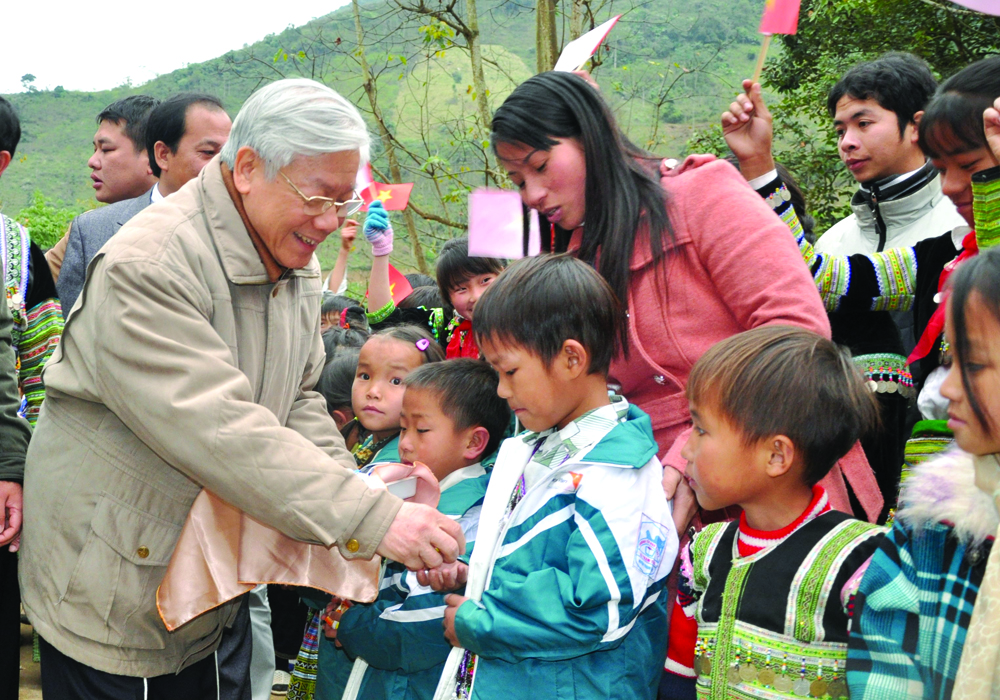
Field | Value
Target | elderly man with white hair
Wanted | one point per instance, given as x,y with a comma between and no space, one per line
189,363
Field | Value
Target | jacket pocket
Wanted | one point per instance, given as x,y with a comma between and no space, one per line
111,595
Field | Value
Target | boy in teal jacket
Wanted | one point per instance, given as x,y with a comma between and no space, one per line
566,586
451,418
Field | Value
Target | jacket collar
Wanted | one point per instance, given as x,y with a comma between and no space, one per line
136,205
628,444
902,210
944,490
239,257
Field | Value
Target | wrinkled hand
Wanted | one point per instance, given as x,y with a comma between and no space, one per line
422,538
11,510
378,230
454,602
991,124
748,130
348,233
447,577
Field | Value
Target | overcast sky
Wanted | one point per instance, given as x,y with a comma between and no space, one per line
96,46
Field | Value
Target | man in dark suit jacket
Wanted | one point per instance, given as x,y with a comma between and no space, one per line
181,135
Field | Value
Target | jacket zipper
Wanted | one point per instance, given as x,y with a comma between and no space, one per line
880,226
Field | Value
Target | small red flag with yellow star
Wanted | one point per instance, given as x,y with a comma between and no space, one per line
393,197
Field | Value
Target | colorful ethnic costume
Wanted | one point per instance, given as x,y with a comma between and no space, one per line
567,581
916,600
857,289
774,623
38,320
398,639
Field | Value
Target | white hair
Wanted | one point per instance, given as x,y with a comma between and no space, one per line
296,117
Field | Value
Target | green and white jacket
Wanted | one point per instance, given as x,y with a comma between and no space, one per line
567,580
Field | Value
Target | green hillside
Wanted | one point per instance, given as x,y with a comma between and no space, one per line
697,48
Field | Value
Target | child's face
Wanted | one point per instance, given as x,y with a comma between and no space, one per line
983,370
465,294
329,320
377,394
427,435
541,397
956,172
721,469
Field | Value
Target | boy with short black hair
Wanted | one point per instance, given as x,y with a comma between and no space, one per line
565,588
774,408
452,421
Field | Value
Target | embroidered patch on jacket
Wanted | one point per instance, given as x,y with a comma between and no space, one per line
652,544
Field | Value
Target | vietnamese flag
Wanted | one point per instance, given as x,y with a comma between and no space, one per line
393,197
780,17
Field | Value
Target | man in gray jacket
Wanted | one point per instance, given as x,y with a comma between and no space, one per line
189,362
181,135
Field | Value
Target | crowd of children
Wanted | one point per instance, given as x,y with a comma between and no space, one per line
502,381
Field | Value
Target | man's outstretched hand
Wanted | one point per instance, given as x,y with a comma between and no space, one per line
422,538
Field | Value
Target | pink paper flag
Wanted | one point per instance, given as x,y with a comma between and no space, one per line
496,225
989,7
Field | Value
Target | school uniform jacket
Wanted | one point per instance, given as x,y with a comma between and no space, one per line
399,637
568,594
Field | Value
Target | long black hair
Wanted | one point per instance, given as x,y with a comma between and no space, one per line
622,190
981,275
953,121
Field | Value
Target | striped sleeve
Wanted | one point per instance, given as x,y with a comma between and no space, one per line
885,281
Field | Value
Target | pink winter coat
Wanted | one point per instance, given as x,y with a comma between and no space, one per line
733,266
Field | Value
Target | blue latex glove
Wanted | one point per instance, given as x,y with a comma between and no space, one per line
377,221
378,230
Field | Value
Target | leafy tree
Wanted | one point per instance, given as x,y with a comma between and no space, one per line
26,80
48,221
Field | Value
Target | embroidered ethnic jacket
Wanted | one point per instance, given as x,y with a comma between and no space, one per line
774,624
38,320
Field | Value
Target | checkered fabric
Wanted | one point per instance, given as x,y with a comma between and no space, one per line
912,612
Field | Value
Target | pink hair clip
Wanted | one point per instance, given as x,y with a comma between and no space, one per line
423,344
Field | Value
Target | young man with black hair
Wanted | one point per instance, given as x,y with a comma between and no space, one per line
876,108
179,136
120,166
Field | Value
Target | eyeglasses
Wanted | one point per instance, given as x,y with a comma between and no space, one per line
314,206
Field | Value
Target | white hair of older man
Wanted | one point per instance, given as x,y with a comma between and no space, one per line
296,117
